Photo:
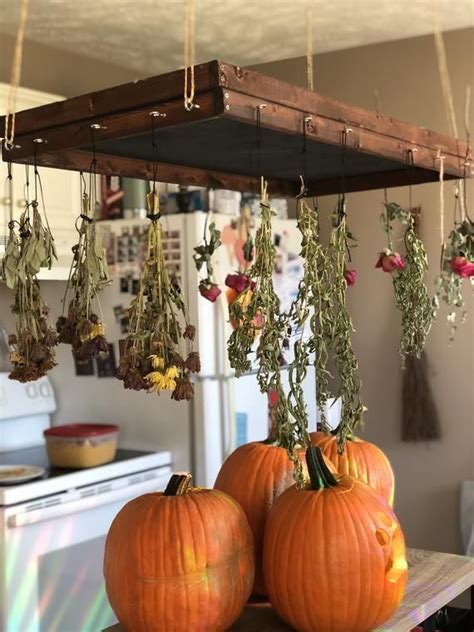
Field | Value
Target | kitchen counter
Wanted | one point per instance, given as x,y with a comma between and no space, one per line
434,580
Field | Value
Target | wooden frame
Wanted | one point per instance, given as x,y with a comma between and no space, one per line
379,146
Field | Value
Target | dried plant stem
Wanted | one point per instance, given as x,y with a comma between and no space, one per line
344,357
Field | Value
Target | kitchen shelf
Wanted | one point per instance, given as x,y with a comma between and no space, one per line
214,145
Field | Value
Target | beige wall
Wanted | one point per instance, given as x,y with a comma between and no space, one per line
428,475
60,72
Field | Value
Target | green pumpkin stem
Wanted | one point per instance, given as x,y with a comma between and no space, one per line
319,474
178,484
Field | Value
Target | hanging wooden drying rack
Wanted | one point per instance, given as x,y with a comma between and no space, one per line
214,145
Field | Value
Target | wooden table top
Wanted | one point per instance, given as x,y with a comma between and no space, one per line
434,580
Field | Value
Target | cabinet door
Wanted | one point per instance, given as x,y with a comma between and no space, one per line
61,192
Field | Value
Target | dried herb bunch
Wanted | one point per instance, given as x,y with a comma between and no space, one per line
272,329
411,294
313,302
154,357
82,328
203,254
342,351
30,247
457,265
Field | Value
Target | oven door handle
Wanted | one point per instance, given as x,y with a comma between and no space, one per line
90,502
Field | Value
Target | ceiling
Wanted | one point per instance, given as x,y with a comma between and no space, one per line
146,35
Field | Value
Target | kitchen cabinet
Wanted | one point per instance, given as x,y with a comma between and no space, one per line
61,192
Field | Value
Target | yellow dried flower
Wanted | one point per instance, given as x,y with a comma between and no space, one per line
157,362
93,330
160,381
172,372
15,358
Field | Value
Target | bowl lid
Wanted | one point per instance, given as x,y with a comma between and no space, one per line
80,430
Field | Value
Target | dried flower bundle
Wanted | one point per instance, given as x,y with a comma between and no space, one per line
154,356
411,294
342,351
457,265
271,328
30,247
82,328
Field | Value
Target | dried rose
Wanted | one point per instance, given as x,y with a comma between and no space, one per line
239,282
210,291
193,363
390,261
462,267
184,389
190,332
350,277
177,360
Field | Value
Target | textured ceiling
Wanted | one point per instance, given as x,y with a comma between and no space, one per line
146,35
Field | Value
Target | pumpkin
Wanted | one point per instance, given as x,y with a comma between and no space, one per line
179,560
360,459
244,299
334,554
255,474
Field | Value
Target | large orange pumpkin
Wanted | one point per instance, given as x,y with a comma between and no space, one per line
360,459
255,475
334,554
179,560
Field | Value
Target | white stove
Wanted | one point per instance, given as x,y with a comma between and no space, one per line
52,537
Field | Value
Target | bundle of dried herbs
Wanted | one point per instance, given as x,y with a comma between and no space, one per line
203,254
155,355
82,328
411,294
262,316
30,247
342,351
314,302
457,265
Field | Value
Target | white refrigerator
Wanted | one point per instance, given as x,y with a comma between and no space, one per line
226,411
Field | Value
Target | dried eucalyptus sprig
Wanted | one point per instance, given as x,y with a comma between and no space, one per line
345,360
203,254
30,247
82,328
313,302
262,315
457,264
411,294
155,357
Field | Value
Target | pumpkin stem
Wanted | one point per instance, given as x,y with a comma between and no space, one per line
319,474
178,484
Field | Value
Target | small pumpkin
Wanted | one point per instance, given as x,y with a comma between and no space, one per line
244,299
255,474
360,459
179,560
334,554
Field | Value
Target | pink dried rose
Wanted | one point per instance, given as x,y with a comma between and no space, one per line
208,290
462,267
239,282
390,261
350,277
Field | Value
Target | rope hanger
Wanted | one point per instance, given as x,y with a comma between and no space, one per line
189,55
309,48
9,134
